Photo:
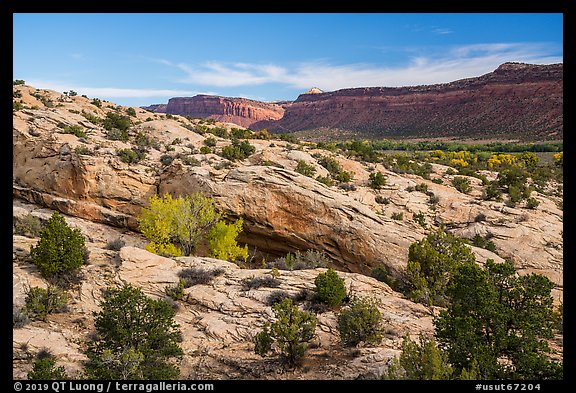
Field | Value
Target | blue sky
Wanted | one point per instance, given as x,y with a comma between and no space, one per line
145,58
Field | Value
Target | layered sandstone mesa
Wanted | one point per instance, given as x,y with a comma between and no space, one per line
158,108
515,101
239,111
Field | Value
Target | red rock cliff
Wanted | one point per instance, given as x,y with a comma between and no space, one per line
516,100
240,111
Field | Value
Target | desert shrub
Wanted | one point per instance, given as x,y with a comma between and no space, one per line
438,181
75,129
305,169
492,192
44,369
310,259
263,342
330,288
462,184
262,134
347,186
239,133
360,321
130,156
277,297
166,159
422,187
496,314
382,273
433,199
483,242
83,150
176,292
376,180
19,318
291,332
331,165
115,134
136,338
97,102
532,203
343,176
480,217
116,121
420,219
17,105
60,248
131,112
210,141
219,131
189,160
287,137
16,94
40,302
398,216
205,150
197,275
115,244
382,200
335,170
222,241
431,264
17,82
326,180
421,360
91,118
283,263
28,225
262,281
238,150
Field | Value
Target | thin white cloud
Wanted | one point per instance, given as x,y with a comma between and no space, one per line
442,30
456,63
111,92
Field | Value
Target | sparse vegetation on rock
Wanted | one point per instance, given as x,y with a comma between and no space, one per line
330,288
346,227
60,249
376,180
44,369
462,184
136,338
238,150
431,263
305,169
291,332
495,314
40,302
421,360
360,321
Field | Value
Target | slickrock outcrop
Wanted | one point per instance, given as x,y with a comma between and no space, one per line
241,111
283,211
218,320
522,101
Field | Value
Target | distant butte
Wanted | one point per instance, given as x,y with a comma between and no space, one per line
241,111
517,100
